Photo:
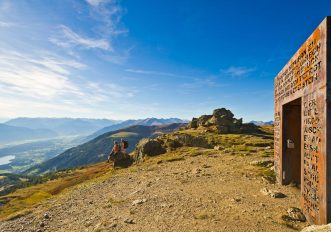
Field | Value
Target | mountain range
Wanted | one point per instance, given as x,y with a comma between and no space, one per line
259,123
63,126
98,149
9,134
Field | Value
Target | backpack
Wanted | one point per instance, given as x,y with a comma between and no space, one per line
125,144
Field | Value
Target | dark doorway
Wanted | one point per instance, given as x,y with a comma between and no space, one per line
291,157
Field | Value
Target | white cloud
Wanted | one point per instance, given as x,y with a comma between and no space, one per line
48,86
68,38
26,76
6,24
96,2
109,13
237,71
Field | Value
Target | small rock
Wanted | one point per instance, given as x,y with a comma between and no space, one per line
263,163
46,216
90,202
196,171
206,166
218,148
236,199
275,194
42,224
271,193
129,221
113,225
296,214
268,148
263,205
138,202
265,191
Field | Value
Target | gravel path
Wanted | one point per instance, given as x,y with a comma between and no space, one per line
219,192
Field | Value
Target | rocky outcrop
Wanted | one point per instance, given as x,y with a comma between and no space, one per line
224,122
192,141
322,228
204,120
148,147
170,143
193,123
174,141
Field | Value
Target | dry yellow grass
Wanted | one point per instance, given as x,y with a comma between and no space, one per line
23,199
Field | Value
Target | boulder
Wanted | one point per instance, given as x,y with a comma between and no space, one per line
121,159
192,141
225,122
193,124
150,147
172,144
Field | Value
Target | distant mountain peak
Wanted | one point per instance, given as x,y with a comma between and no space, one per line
258,123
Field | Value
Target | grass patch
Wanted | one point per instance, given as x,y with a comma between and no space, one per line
124,134
268,174
203,216
18,215
174,159
115,201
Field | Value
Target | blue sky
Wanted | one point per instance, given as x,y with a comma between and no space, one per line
137,59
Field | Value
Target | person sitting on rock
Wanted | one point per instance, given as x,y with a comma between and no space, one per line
116,149
124,145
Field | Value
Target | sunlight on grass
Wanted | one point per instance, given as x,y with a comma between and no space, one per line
24,198
124,135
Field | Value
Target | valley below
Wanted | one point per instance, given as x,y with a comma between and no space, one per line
16,158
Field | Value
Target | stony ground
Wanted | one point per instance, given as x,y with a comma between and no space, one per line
214,192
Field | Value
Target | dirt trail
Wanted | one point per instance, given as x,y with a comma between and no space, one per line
217,192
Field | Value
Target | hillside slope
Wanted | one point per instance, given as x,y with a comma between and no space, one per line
188,189
98,149
141,122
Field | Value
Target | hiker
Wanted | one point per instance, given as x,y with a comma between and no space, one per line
124,145
116,149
